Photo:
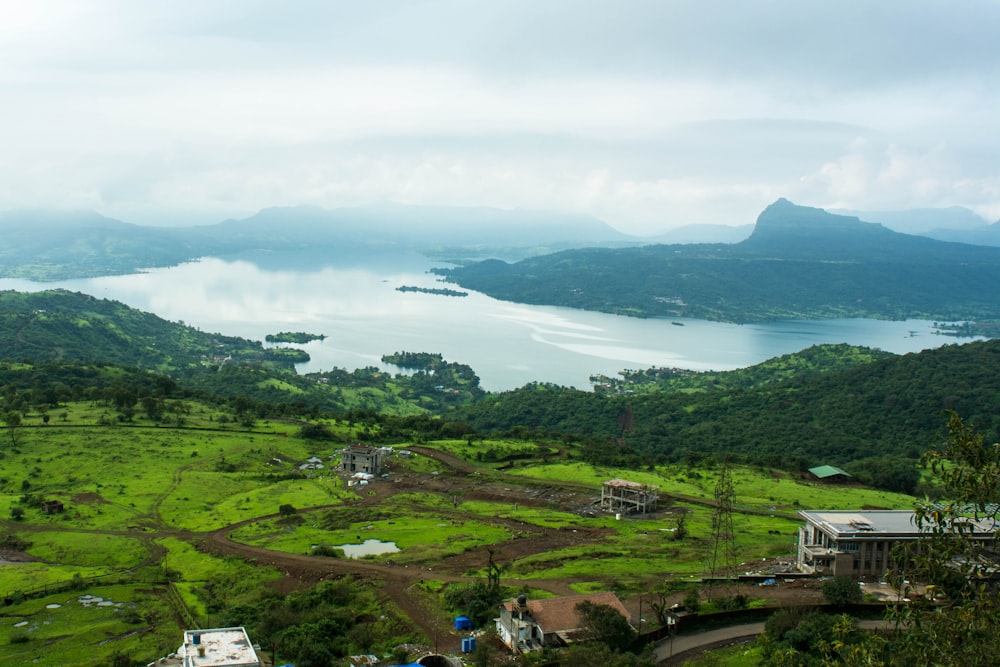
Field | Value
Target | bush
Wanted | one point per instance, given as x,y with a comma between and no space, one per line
842,591
327,551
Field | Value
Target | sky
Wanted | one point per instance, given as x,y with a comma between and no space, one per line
648,114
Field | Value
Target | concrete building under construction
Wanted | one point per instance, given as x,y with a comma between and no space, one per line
624,497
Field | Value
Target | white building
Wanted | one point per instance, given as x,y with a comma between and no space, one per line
214,647
859,543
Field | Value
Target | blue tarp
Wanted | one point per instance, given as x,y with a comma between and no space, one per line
463,623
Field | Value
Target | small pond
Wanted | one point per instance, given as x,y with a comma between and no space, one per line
368,548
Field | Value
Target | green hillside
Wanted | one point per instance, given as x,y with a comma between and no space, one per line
882,405
799,263
69,327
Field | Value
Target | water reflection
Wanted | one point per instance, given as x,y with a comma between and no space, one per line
357,306
368,548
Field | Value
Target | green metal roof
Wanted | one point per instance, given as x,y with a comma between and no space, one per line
827,471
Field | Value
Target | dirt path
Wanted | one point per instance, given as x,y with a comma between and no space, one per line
400,584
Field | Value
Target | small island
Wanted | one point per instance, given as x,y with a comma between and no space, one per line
293,337
442,291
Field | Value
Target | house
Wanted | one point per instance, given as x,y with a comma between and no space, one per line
829,474
359,458
213,647
622,496
528,625
52,506
859,543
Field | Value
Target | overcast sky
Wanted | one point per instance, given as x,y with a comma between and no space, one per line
647,114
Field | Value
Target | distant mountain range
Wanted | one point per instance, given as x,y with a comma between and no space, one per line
45,245
799,262
955,223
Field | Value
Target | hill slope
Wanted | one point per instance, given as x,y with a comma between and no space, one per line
47,245
885,405
62,326
799,263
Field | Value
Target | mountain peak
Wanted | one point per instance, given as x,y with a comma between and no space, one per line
784,214
796,230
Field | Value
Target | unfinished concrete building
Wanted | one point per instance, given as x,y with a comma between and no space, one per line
624,497
359,458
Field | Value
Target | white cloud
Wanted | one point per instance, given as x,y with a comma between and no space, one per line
646,113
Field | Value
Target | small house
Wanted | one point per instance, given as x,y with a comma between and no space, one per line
529,625
52,506
829,474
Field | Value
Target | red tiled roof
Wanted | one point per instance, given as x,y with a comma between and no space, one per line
559,614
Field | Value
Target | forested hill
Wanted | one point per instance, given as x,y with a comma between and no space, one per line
829,404
69,326
799,263
889,407
60,327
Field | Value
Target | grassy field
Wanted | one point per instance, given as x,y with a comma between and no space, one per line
137,496
88,627
755,489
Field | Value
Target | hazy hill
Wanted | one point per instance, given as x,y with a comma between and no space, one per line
45,245
988,235
702,234
956,223
799,262
921,220
51,245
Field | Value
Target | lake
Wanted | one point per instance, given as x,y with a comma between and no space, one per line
353,300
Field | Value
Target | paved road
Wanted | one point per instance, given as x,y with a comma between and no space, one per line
677,650
670,651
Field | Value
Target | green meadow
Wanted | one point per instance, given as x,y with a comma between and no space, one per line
74,628
137,495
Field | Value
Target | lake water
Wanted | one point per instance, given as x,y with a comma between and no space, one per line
354,302
368,548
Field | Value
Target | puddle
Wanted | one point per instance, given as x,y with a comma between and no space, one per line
368,548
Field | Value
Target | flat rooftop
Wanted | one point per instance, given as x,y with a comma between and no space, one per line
873,524
223,647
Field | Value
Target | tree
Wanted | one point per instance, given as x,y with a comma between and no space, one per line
961,629
605,624
680,525
841,591
13,420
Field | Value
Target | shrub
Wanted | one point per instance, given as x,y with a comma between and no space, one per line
841,591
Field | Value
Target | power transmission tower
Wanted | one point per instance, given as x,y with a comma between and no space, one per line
722,561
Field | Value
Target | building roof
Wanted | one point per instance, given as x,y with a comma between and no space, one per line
559,614
222,647
875,524
823,472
